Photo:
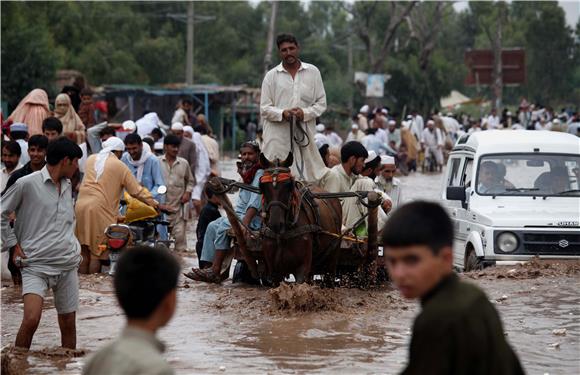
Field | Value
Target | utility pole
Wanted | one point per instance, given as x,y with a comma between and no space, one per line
350,75
270,39
189,53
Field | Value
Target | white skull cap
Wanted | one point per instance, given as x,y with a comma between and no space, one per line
387,160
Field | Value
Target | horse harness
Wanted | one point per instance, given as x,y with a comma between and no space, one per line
300,195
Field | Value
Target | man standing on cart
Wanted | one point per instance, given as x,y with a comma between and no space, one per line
293,89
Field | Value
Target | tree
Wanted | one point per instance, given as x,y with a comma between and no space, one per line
29,56
550,55
369,26
492,19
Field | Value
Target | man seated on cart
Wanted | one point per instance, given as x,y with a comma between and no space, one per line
216,243
353,175
353,209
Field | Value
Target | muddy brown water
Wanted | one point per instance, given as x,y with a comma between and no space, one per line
302,329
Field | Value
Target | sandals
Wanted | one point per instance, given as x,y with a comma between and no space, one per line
206,275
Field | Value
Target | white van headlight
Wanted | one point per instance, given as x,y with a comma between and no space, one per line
507,242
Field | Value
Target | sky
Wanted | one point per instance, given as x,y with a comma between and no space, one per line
571,8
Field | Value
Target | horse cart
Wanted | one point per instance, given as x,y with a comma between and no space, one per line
302,232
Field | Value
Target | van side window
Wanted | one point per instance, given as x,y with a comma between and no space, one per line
466,177
455,173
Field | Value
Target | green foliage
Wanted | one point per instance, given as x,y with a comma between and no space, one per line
144,42
29,57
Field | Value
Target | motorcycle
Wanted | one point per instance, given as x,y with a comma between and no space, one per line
139,228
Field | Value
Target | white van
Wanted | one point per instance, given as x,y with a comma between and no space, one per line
513,195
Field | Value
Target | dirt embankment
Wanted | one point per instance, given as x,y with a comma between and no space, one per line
530,270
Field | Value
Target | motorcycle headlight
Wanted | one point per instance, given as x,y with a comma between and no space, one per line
507,242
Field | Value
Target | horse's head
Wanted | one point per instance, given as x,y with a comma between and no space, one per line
277,187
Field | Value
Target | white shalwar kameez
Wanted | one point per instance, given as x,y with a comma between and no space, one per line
280,92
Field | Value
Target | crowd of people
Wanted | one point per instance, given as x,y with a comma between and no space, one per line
73,169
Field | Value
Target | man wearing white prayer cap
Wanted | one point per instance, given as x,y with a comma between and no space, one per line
97,205
387,182
353,210
362,118
19,133
355,133
129,126
320,138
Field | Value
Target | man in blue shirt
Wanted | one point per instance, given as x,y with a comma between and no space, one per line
216,242
143,164
146,168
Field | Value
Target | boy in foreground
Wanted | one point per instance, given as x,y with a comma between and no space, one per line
458,330
146,288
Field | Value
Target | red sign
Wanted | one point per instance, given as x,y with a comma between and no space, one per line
480,66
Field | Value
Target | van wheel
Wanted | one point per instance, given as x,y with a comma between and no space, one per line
472,262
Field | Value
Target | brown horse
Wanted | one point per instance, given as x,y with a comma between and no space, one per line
296,234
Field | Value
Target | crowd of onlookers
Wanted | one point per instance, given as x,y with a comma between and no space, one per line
413,140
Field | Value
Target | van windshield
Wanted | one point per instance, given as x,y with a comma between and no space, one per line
532,174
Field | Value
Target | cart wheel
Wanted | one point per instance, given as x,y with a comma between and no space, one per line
242,274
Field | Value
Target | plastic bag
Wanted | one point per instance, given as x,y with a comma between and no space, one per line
137,210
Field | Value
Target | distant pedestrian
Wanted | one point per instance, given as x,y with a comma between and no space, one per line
32,110
458,331
10,161
51,128
146,288
87,108
179,181
19,133
72,125
37,145
181,113
209,213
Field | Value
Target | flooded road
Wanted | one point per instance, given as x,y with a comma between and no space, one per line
240,330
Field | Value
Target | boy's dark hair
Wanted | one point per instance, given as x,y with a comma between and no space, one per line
373,163
18,135
187,101
172,139
62,148
133,139
157,132
52,123
208,191
323,150
200,129
86,91
39,141
149,141
109,130
13,147
352,148
419,223
286,38
144,276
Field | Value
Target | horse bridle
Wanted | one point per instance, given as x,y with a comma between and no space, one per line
274,176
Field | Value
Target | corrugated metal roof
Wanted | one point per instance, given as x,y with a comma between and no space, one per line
173,89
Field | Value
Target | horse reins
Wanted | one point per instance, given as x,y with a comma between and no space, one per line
302,142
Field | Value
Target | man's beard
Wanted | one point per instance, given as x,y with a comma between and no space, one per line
247,165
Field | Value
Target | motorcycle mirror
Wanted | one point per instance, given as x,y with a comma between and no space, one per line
162,189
